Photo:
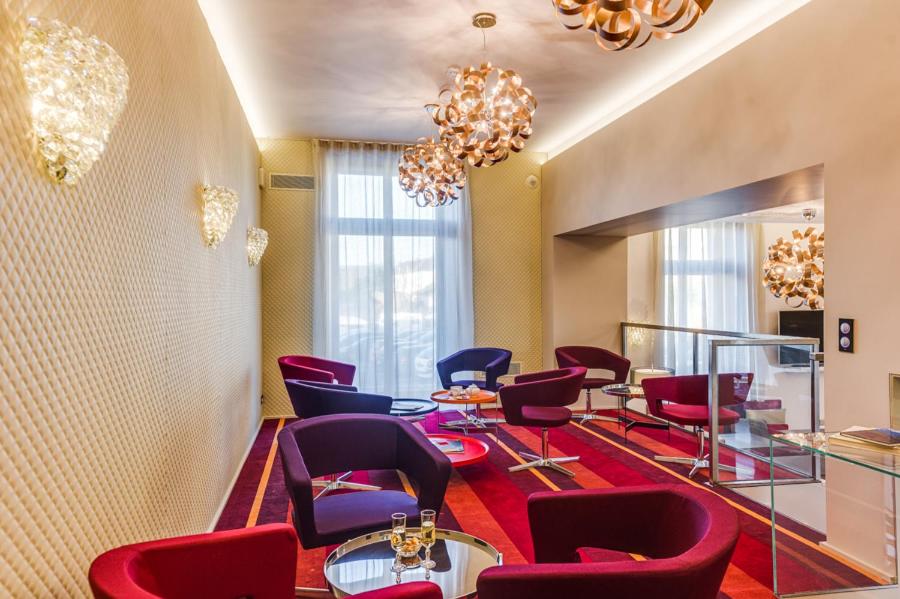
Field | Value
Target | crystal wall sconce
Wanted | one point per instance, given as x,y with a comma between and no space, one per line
257,240
78,87
220,204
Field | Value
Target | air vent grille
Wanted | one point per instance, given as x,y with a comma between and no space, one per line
292,182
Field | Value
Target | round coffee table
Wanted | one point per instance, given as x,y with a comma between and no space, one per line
623,393
474,418
412,408
474,450
364,564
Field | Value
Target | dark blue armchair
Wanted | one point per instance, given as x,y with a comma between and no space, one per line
493,361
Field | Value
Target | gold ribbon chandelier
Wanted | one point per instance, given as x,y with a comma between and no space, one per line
485,112
430,174
623,24
795,269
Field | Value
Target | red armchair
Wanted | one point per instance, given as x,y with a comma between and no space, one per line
688,534
317,370
594,358
540,399
684,400
259,562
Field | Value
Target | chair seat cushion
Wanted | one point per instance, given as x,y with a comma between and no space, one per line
545,416
342,516
593,383
696,415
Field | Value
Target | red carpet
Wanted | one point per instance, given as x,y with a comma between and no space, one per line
487,501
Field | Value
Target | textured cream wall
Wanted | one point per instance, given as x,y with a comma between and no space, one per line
506,240
129,352
288,267
506,257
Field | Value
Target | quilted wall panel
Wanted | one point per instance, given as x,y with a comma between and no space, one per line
506,231
506,256
129,352
287,291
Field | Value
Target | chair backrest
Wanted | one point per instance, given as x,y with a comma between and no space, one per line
693,389
328,444
259,562
590,357
688,533
311,368
553,388
321,399
493,361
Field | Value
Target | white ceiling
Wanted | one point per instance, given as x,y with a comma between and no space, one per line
358,69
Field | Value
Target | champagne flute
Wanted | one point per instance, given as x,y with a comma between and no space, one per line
398,537
429,536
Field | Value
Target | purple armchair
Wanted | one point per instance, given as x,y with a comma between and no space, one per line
493,361
594,358
540,399
688,534
311,399
320,370
256,562
327,444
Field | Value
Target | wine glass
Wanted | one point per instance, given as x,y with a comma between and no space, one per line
429,536
398,537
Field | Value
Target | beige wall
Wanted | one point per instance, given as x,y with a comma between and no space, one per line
808,90
506,247
129,352
288,267
811,89
506,257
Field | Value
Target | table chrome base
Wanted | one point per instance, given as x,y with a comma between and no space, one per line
473,420
697,463
539,462
335,483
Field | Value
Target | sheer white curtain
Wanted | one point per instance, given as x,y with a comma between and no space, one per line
393,282
708,277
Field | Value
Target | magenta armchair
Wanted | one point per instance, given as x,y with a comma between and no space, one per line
684,400
318,370
258,562
594,358
689,534
540,399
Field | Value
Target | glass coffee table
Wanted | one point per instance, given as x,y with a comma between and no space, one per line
623,393
364,564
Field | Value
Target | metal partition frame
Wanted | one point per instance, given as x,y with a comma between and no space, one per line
713,400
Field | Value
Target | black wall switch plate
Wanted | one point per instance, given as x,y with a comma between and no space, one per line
845,335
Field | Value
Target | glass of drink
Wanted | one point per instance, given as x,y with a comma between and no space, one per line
429,536
398,537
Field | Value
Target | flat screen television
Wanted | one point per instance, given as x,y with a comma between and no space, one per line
799,323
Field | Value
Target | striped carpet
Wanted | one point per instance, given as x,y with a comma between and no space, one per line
487,501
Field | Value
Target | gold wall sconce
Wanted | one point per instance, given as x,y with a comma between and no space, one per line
257,240
78,86
220,204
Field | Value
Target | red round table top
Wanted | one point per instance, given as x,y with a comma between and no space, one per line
474,450
482,396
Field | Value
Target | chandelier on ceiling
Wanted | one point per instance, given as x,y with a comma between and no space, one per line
623,24
795,268
485,112
430,174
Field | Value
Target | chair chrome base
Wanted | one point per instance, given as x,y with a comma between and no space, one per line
589,413
698,463
335,483
544,460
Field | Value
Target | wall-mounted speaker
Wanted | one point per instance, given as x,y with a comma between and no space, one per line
845,335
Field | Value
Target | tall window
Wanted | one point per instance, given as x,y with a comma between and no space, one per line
709,280
393,281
